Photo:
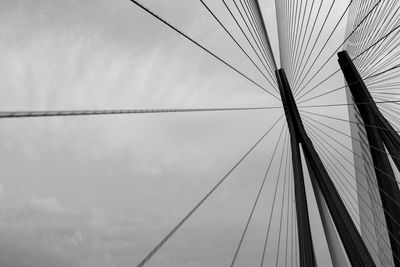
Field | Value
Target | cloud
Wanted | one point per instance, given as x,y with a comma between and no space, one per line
46,204
50,234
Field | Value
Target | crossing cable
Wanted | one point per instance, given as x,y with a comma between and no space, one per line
201,46
353,210
274,200
316,86
329,92
236,42
58,113
353,15
380,98
269,68
389,115
385,64
394,118
343,120
391,111
384,88
315,43
356,139
380,54
384,23
257,198
387,106
359,38
387,76
355,168
349,104
384,48
323,151
377,42
384,94
194,209
388,88
378,27
362,142
323,94
323,81
394,112
330,57
377,82
333,54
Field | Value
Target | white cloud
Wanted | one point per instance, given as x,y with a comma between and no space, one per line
1,190
46,204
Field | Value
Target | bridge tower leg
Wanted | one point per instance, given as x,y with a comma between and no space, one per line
353,244
381,136
307,257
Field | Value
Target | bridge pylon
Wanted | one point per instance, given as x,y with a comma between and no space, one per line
350,237
381,137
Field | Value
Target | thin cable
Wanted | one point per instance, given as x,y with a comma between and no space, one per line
369,13
350,104
56,113
285,180
236,42
343,120
188,215
273,201
202,47
269,68
257,198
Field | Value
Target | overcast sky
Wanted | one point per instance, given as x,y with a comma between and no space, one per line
103,190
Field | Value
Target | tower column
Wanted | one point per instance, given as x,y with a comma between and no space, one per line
381,136
355,248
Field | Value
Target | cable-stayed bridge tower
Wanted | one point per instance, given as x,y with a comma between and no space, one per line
360,227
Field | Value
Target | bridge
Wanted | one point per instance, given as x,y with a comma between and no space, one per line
355,189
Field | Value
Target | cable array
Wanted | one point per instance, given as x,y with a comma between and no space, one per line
307,38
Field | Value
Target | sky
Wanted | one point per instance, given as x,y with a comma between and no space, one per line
103,190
